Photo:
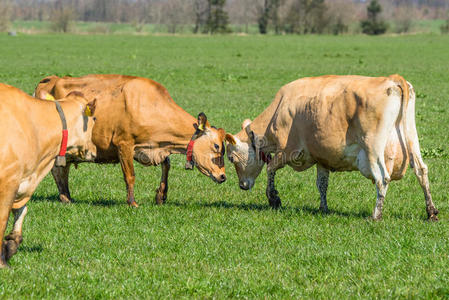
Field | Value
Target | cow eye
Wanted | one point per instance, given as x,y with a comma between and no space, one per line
216,147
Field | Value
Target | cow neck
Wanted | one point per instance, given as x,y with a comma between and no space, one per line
60,159
184,132
261,128
257,146
49,127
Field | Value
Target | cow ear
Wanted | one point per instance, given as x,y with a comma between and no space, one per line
230,139
202,121
90,108
221,133
44,95
246,123
251,135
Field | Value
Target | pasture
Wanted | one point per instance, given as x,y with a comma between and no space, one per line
214,240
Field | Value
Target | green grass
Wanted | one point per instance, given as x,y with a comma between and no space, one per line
214,240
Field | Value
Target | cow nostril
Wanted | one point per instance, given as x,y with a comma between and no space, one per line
243,185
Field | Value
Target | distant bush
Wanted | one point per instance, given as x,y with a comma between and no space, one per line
403,20
445,27
218,20
338,27
99,29
372,25
62,19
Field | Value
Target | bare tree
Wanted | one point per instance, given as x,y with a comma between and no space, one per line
340,13
306,16
243,12
5,15
201,9
174,14
62,17
403,17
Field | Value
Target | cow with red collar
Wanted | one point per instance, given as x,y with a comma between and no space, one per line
338,123
34,134
138,120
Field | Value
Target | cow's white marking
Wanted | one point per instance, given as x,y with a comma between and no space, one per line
19,216
26,185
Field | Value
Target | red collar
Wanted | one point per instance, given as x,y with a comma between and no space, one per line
264,157
65,136
190,150
60,159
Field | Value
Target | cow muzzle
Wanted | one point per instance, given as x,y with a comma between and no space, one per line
245,184
218,179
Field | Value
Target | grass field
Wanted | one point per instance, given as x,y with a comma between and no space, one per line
214,240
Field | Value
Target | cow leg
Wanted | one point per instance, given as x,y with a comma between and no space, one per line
126,154
271,192
6,201
322,180
61,177
14,239
161,192
421,172
381,179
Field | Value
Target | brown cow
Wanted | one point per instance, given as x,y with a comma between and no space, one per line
137,119
31,139
339,123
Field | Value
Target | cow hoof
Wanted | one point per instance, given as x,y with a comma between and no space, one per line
160,199
376,218
432,214
433,218
9,249
3,264
133,204
14,237
65,199
275,202
324,210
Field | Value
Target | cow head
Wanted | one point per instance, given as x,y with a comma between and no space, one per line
80,121
208,150
243,154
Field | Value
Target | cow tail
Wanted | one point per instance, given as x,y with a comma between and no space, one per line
403,85
48,84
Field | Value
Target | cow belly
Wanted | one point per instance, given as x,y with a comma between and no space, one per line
150,157
300,160
347,159
109,156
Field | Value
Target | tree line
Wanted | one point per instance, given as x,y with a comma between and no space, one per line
214,16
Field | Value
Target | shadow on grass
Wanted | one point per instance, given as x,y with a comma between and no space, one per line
31,249
97,202
40,198
265,207
242,206
315,211
104,202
